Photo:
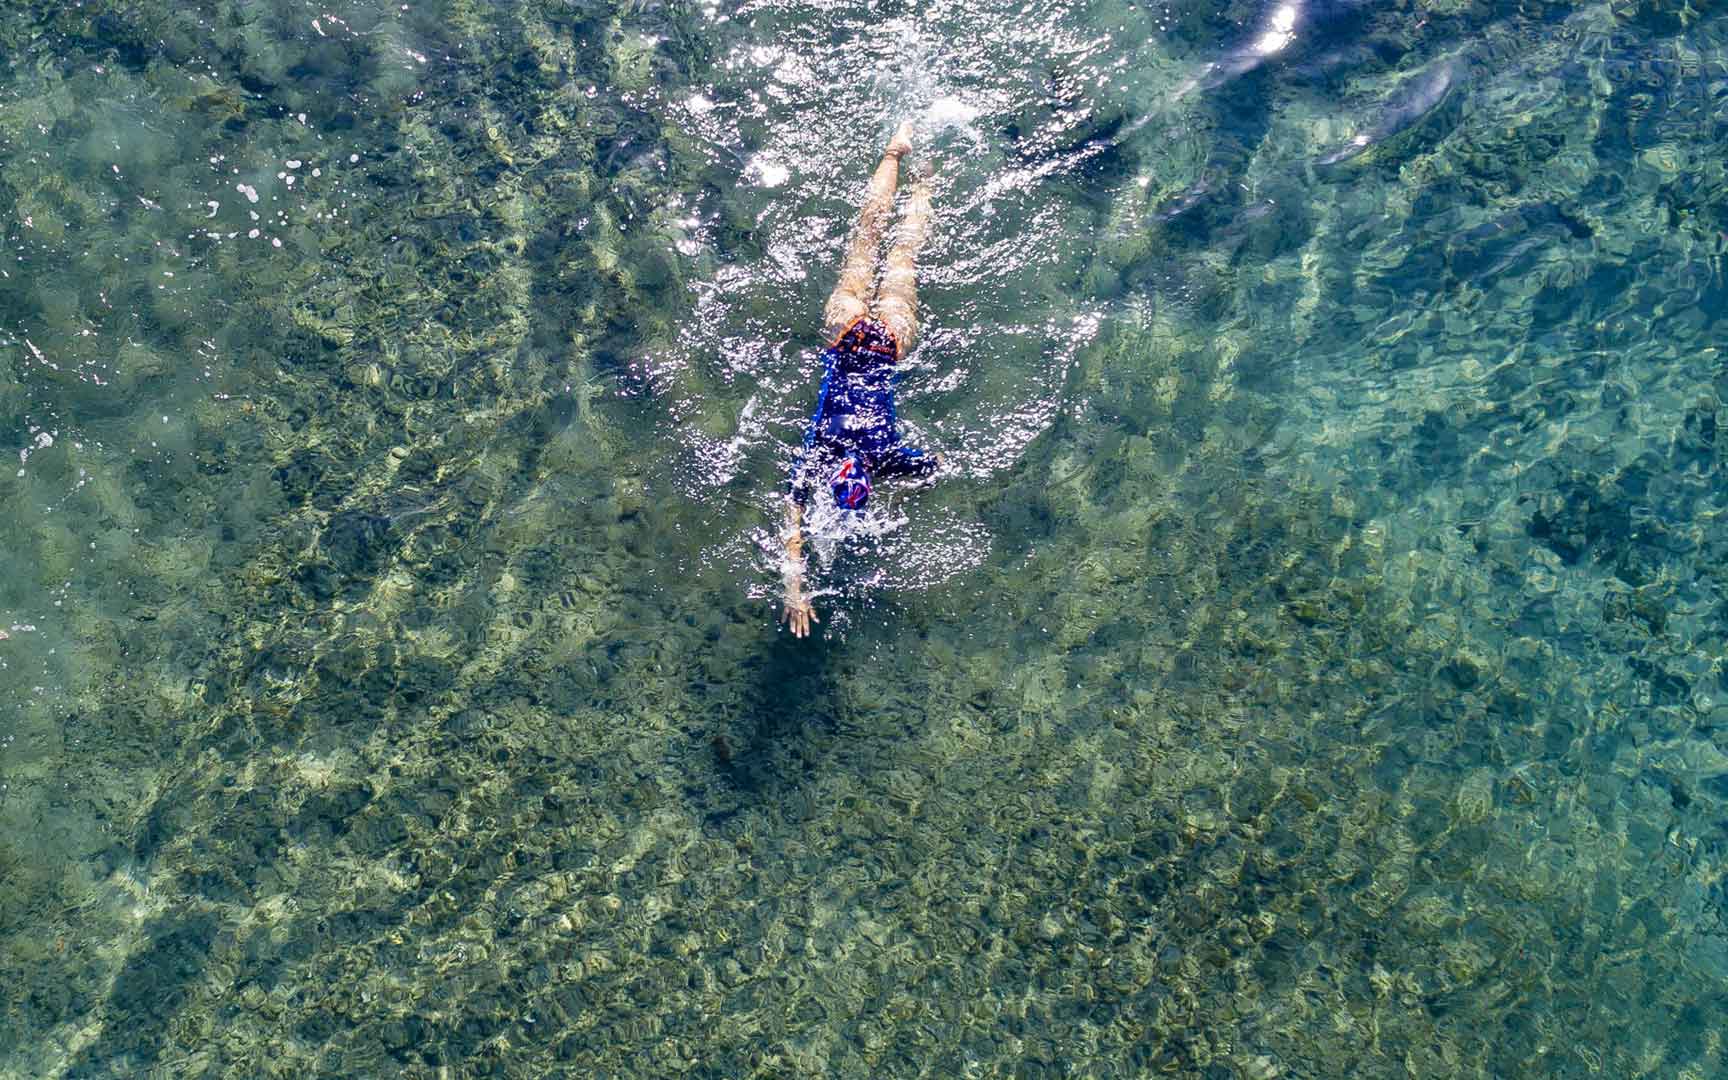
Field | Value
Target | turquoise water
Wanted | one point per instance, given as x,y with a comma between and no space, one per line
1308,666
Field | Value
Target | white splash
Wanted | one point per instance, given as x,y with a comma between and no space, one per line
769,174
949,112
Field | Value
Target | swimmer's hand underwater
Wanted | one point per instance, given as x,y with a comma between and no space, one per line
798,614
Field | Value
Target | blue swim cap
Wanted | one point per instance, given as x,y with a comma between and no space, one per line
850,484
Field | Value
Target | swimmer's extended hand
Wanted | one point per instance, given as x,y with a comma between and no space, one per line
798,612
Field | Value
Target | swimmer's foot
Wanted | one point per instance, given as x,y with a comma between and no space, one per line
901,144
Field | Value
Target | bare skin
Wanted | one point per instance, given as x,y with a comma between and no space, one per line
798,613
897,292
892,300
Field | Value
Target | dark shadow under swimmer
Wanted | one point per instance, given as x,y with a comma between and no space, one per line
853,438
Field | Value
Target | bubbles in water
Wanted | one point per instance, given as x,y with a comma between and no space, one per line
949,112
768,174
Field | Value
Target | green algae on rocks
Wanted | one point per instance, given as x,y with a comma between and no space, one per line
1336,691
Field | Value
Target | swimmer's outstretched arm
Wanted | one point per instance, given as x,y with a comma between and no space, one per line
798,612
851,297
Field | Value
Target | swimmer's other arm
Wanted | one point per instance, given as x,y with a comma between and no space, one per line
798,612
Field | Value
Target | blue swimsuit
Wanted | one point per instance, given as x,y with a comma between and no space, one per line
855,412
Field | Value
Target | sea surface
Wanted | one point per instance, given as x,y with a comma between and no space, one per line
1310,662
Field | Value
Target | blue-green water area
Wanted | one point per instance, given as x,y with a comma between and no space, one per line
1309,662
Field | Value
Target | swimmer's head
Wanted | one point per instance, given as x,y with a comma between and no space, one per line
850,484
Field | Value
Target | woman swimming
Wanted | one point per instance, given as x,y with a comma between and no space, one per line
852,439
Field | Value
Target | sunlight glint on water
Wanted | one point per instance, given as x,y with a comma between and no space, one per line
1309,664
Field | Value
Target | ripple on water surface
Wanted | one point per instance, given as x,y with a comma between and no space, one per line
1308,663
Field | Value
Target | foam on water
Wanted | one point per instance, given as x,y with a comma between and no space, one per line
1309,665
950,112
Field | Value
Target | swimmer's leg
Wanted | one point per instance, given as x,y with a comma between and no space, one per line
851,297
897,296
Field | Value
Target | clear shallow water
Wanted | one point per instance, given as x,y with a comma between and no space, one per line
1311,668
